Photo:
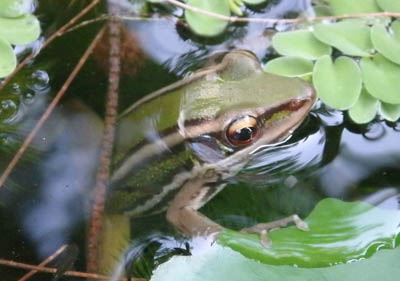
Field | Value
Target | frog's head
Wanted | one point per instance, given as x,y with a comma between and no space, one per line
239,108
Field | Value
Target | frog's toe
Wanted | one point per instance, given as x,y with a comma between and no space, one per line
300,224
263,228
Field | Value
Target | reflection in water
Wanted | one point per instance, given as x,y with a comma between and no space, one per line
288,158
360,157
67,174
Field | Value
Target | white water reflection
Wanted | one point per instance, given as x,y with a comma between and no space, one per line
67,174
358,159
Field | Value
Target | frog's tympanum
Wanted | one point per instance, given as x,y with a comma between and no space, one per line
177,146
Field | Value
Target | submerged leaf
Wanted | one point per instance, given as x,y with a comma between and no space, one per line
390,112
381,78
365,108
21,30
350,37
387,43
8,60
254,2
389,5
340,232
300,43
289,66
346,7
206,25
338,84
221,263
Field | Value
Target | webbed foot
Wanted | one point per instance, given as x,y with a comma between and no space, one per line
263,228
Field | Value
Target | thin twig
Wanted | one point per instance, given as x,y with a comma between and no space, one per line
54,270
49,110
103,171
43,263
59,32
107,17
269,20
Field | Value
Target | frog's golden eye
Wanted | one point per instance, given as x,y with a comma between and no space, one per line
242,131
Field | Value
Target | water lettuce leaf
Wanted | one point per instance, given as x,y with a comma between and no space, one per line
206,25
346,7
365,108
338,83
381,78
300,43
289,66
350,37
387,43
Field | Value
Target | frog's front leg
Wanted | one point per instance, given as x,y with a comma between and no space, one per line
182,211
263,228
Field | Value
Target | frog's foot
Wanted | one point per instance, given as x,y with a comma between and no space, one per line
263,228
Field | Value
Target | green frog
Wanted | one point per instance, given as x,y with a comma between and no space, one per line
177,147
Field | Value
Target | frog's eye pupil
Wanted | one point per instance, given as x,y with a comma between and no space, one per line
244,134
242,131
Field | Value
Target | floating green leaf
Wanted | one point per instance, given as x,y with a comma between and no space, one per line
345,7
14,8
289,66
390,112
350,37
338,84
8,61
206,25
300,43
21,30
381,78
234,6
365,108
387,43
339,232
389,5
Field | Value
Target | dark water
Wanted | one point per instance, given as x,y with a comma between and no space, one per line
45,201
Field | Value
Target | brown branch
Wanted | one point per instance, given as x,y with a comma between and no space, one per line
107,17
269,20
103,171
59,32
54,270
43,263
49,110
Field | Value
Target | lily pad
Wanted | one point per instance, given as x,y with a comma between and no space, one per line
389,5
365,108
346,7
338,84
289,66
387,43
300,43
350,37
14,8
390,112
8,60
21,30
381,78
339,232
206,25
